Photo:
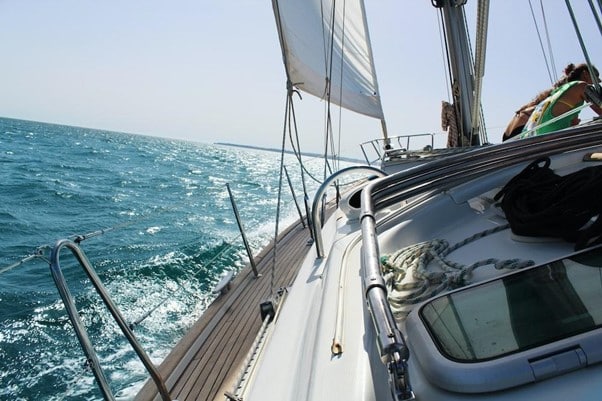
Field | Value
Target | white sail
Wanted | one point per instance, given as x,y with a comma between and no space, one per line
307,30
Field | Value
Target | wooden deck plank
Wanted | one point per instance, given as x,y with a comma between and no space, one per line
238,331
229,338
240,339
226,362
202,366
284,278
207,361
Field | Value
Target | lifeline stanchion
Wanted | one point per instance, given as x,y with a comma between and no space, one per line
290,184
242,232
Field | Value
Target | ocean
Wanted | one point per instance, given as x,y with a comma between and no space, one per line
159,230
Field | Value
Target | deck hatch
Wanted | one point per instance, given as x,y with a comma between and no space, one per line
519,328
519,311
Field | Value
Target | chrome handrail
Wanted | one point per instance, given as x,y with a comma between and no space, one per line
78,326
316,222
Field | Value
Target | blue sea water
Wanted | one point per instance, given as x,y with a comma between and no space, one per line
162,231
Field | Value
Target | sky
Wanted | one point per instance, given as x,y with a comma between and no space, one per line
211,71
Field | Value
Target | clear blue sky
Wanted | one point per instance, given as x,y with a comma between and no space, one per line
211,71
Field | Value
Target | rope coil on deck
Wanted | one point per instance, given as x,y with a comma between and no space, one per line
540,203
415,260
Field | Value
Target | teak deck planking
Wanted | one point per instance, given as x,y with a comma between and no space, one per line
208,360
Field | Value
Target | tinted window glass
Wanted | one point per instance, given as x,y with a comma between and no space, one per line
520,311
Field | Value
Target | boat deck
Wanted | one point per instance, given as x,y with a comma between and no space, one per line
207,362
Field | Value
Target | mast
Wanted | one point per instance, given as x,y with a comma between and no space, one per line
462,71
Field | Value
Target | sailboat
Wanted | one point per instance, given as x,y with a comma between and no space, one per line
466,272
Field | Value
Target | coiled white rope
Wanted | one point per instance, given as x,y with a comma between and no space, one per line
426,282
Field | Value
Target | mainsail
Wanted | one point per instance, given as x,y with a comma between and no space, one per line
327,53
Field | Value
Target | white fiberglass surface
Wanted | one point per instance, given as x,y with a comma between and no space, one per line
444,219
582,385
298,362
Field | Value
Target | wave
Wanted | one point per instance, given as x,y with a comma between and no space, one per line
159,229
161,296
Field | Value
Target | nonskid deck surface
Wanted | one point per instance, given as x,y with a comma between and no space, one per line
206,362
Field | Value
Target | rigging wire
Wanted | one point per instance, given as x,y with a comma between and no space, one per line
545,57
325,48
470,51
451,84
595,12
444,55
479,69
482,132
582,44
334,151
302,168
550,51
329,42
451,133
77,379
597,18
292,127
289,99
38,252
290,86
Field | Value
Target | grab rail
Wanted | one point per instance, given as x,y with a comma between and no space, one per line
316,222
78,325
437,176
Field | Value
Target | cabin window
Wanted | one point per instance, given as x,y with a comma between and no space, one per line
520,311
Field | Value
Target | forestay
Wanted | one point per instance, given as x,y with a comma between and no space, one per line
325,41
